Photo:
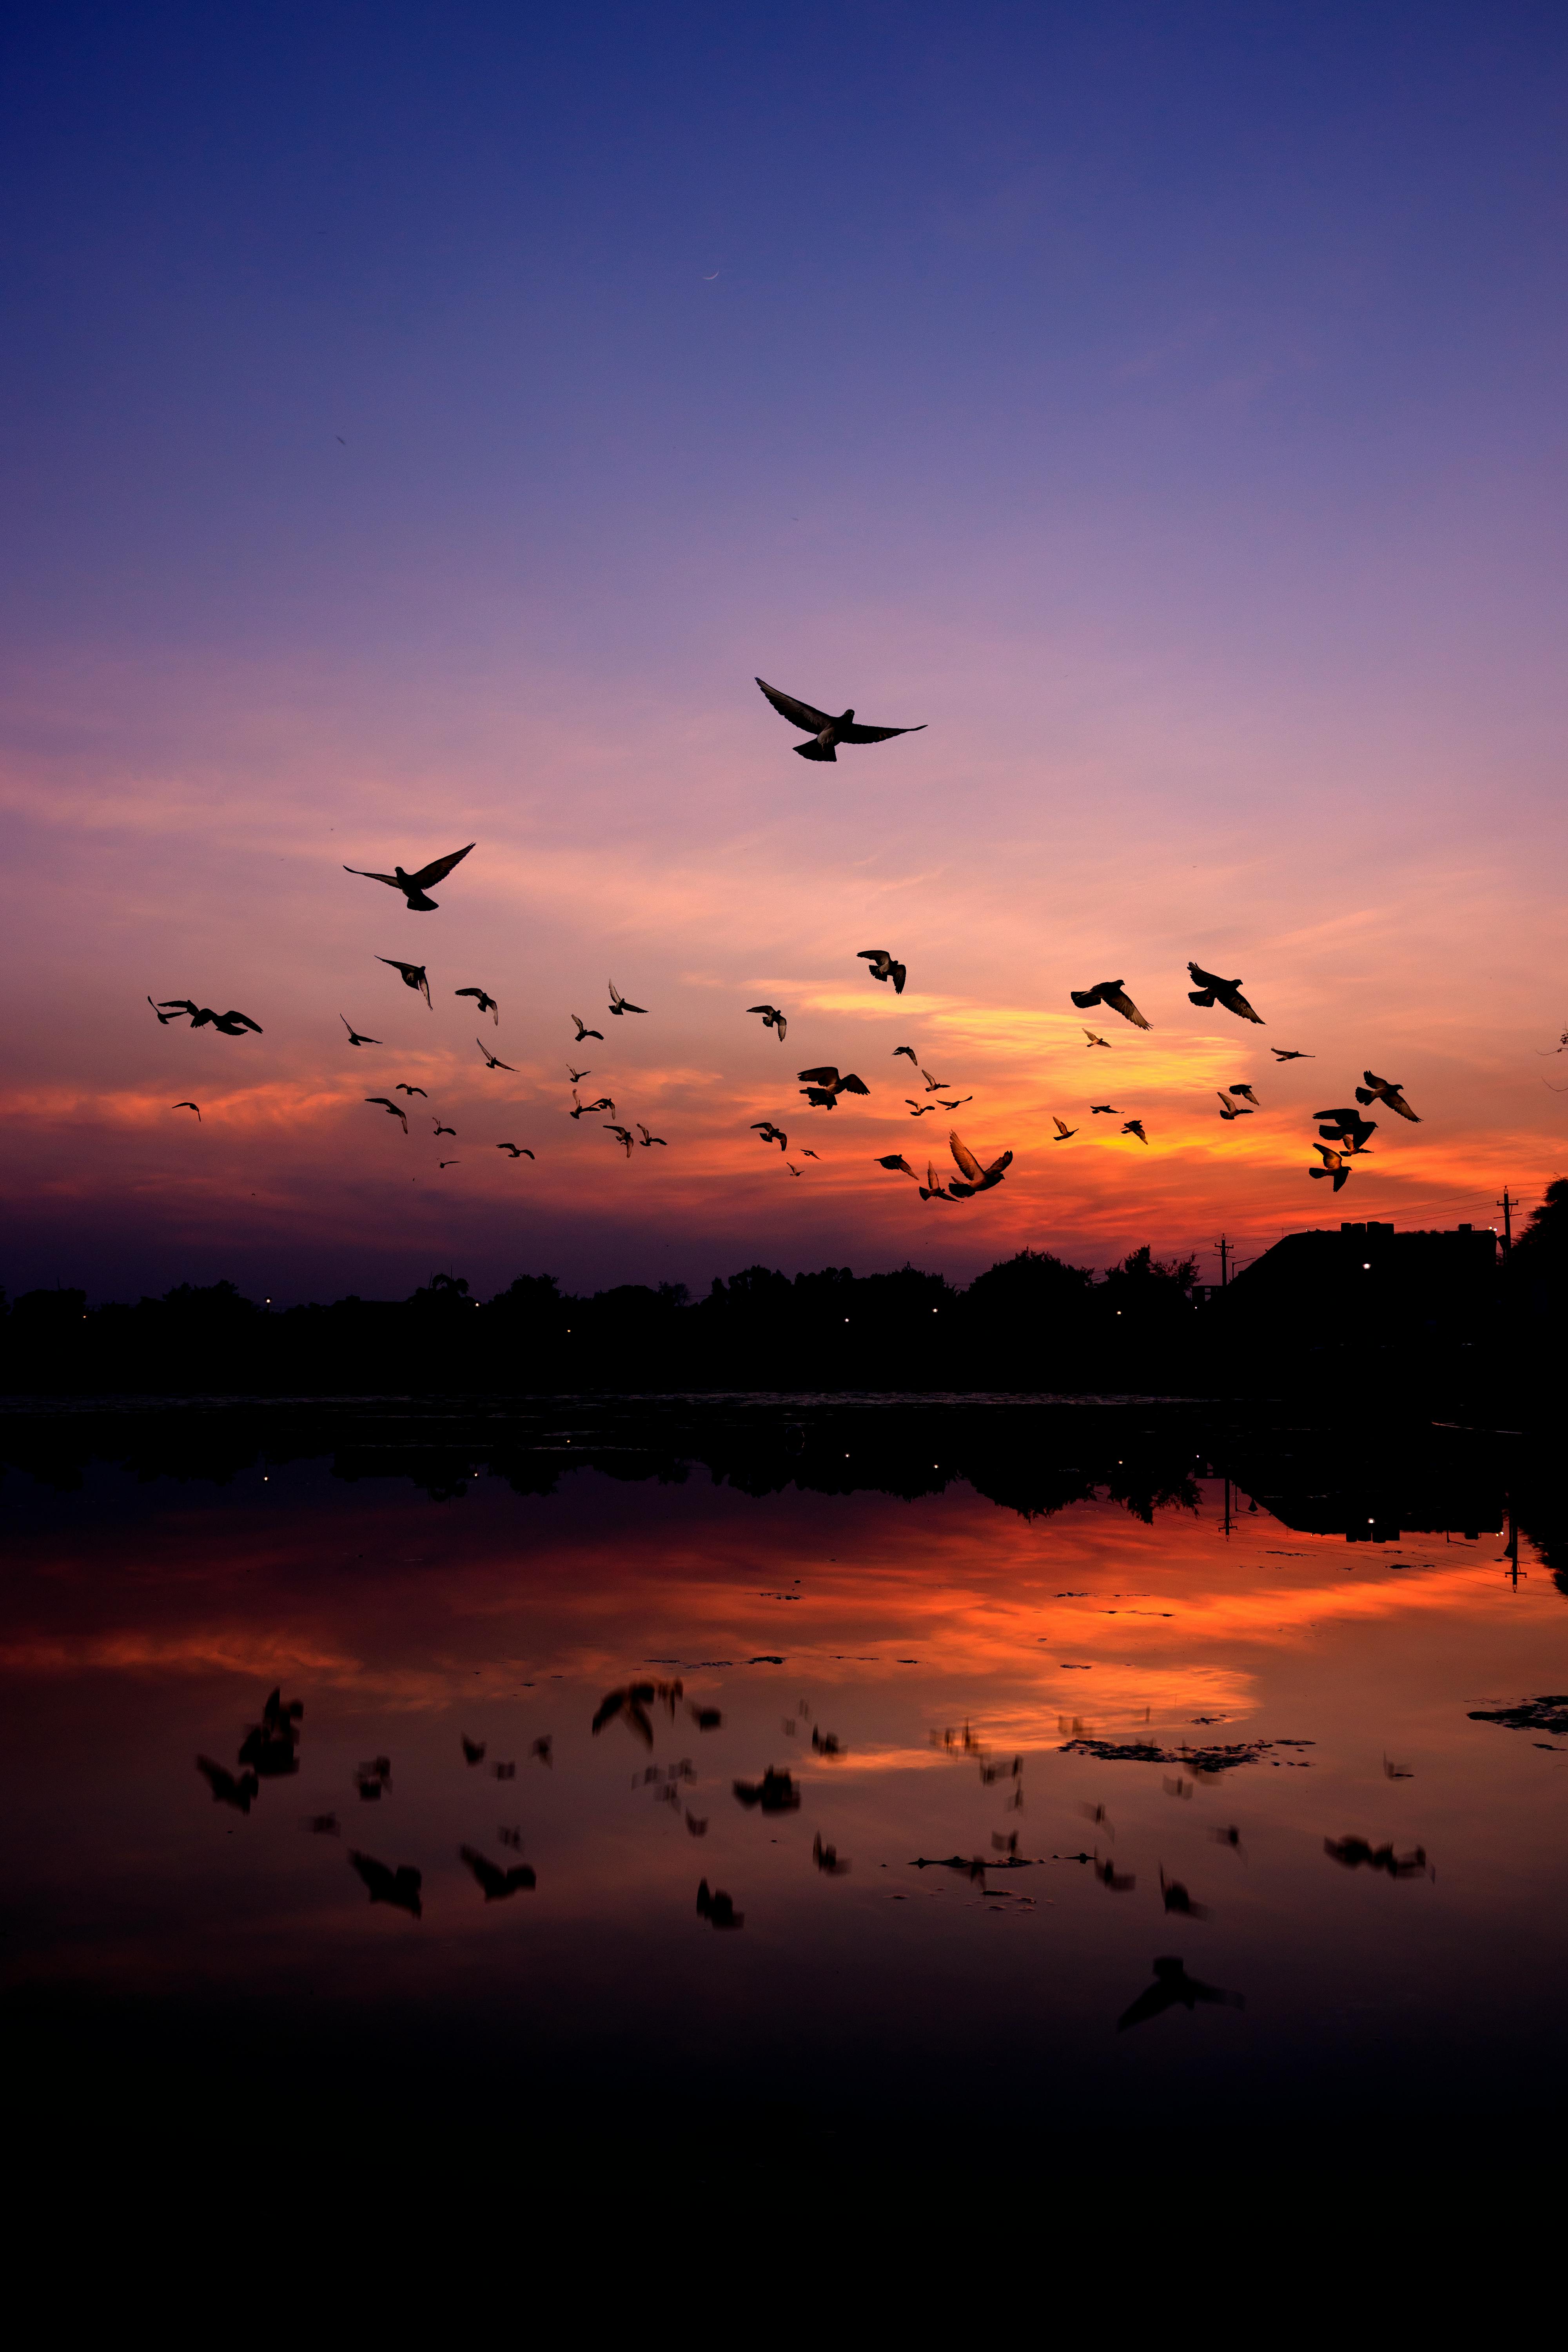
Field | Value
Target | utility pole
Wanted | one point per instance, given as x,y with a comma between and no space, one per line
1222,1246
1508,1205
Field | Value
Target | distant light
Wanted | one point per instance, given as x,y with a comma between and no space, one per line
1366,1266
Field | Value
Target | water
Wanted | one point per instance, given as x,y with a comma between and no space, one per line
413,1586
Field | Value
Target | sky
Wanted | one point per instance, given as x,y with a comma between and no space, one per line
420,427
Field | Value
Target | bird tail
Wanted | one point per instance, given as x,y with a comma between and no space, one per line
1200,996
1364,1094
815,751
1084,997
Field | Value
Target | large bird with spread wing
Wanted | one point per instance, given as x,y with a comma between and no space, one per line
826,732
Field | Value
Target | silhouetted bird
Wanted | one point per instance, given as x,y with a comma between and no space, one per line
188,1106
582,1032
932,1190
1108,1876
1063,1134
775,1792
823,1086
1211,989
491,1061
826,732
577,1077
884,965
1175,1897
1228,1109
399,1888
975,1178
448,1163
1098,1110
413,975
473,1750
716,1907
695,1828
826,1858
439,1129
354,1037
544,1748
1385,1091
581,1109
918,1111
228,1024
323,1825
899,1166
384,1102
413,886
483,1002
498,1884
1134,1126
647,1139
1245,1094
909,1053
619,1004
1289,1053
772,1018
518,1151
371,1779
403,1087
1095,1039
1172,1988
623,1136
229,1788
1334,1165
706,1718
1345,1126
955,1103
769,1132
1113,996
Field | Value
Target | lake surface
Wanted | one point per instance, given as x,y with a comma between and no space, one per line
942,1674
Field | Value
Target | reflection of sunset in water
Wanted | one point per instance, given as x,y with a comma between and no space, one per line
146,1621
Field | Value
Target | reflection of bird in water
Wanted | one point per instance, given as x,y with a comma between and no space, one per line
399,1888
498,1884
511,1839
188,1106
473,1750
414,976
706,1718
1113,996
413,886
384,1102
1099,1816
772,1018
775,1792
1351,1851
694,1827
1392,1771
973,1865
229,1788
825,1743
1211,989
716,1907
371,1779
544,1749
507,1772
885,965
1008,1844
354,1037
1174,1988
1177,1788
483,1002
826,1858
1230,1837
1175,1897
582,1032
825,731
630,1703
323,1825
1108,1875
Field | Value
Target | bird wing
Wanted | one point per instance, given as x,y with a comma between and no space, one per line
999,1168
1116,996
965,1158
1205,979
437,868
859,734
1234,1002
908,1051
768,1009
1061,1125
873,955
799,714
852,1085
492,1880
365,875
1152,2003
826,1075
244,1019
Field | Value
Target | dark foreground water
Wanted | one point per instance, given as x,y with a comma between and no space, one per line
1332,1899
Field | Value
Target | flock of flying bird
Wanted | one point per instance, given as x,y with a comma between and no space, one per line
1343,1133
